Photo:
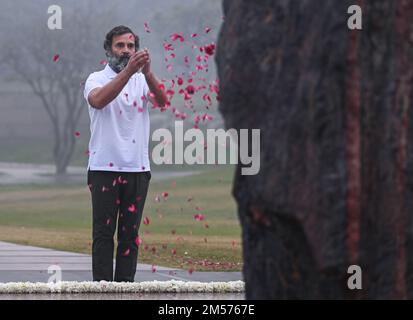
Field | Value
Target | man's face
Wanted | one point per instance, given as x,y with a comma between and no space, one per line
123,46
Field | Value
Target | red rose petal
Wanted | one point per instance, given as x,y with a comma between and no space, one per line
146,221
138,241
146,26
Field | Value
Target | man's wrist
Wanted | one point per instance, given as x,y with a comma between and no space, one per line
148,75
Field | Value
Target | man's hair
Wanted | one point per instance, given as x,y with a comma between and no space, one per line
117,31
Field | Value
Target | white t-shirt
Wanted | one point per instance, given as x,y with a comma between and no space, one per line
120,131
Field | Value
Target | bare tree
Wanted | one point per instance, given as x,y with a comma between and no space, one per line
55,64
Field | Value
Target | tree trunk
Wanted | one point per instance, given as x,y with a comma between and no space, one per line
334,109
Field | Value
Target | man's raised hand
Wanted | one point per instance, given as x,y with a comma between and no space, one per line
137,61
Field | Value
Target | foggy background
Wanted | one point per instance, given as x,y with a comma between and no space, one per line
31,82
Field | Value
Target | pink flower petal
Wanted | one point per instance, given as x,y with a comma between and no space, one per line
199,217
190,89
177,36
146,26
146,221
56,58
138,241
77,134
132,208
126,253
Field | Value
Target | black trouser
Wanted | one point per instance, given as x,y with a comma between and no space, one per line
113,193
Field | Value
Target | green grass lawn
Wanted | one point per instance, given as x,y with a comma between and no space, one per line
59,217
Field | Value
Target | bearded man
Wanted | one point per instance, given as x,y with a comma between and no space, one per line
118,170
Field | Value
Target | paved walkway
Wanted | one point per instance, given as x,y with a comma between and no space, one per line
19,263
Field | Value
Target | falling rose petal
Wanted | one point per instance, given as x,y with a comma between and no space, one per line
117,201
77,134
153,269
126,253
135,104
138,198
140,109
107,221
102,62
143,167
199,217
180,81
138,241
56,58
194,35
146,221
168,46
114,183
190,89
190,271
165,195
173,251
132,208
207,29
209,49
146,26
110,164
177,36
169,67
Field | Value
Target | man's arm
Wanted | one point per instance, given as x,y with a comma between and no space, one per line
100,97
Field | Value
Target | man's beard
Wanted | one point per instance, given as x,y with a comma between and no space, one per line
117,63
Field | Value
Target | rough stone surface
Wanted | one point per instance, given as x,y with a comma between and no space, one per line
334,109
